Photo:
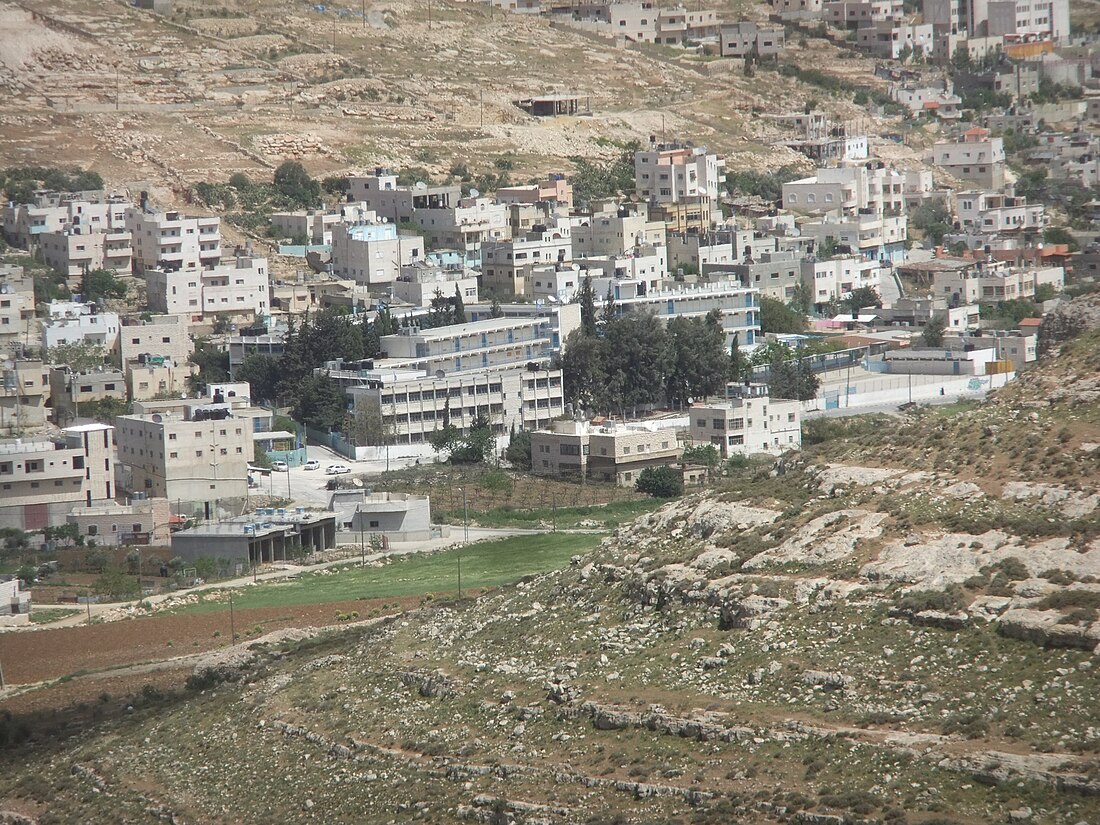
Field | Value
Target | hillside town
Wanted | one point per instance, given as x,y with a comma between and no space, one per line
755,318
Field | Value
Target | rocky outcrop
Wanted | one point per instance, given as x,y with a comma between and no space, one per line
435,685
1045,627
610,717
828,538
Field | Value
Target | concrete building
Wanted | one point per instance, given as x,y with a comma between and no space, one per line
163,336
977,157
506,265
772,275
1019,348
748,422
738,306
259,538
992,281
875,237
419,283
41,480
1042,20
24,391
76,250
239,287
477,345
555,191
616,229
643,266
611,452
315,226
373,254
939,361
172,241
195,458
15,604
70,391
155,377
381,194
852,189
749,39
141,522
73,323
792,10
671,173
397,516
995,212
860,14
693,251
16,306
466,225
934,99
60,211
891,39
412,405
835,278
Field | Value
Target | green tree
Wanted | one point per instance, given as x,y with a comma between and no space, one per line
262,374
609,309
697,358
593,181
932,335
582,363
864,296
494,309
933,219
778,318
459,313
801,300
636,361
81,356
739,367
660,482
102,284
705,454
586,297
791,379
293,182
321,403
1060,235
212,363
518,451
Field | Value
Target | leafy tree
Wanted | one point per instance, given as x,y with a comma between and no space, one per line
1060,235
792,379
739,367
459,312
801,300
766,185
262,374
864,296
932,336
50,285
586,297
776,317
609,308
368,427
293,182
593,181
697,353
518,451
212,363
494,309
81,356
933,219
660,482
582,363
101,284
240,181
106,410
336,185
321,403
704,454
26,574
16,541
476,447
115,584
636,361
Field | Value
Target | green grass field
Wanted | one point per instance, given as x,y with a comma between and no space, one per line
484,564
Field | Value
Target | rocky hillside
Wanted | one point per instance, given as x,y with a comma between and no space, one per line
898,625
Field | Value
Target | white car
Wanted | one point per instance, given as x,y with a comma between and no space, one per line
279,467
312,464
337,469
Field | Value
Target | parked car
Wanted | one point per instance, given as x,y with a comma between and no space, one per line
312,464
337,469
279,467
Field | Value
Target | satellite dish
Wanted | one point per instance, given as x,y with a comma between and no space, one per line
157,418
358,482
474,193
575,267
421,185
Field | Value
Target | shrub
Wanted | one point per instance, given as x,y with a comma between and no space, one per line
660,482
949,600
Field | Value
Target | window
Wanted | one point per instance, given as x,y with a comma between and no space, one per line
374,523
93,530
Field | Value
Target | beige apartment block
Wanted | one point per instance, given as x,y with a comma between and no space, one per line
24,391
77,250
70,391
173,241
16,306
555,190
196,458
611,452
241,286
373,254
976,157
748,422
138,523
506,265
419,283
673,172
616,229
59,211
149,380
494,342
164,336
40,481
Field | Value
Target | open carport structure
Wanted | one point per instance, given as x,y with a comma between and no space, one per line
264,536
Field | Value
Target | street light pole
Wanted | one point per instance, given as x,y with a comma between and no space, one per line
232,620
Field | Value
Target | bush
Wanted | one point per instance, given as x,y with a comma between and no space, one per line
660,482
948,601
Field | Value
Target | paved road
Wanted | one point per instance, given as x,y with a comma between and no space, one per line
306,488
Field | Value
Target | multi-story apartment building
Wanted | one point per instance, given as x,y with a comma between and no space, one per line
164,336
671,173
59,211
1018,347
373,253
138,523
381,193
892,39
477,345
643,265
875,237
935,99
993,212
738,306
749,39
239,287
195,458
412,405
1030,19
466,225
612,452
748,422
615,229
80,249
16,306
40,481
978,158
853,188
972,282
859,14
24,391
70,391
506,265
171,241
270,345
555,191
772,275
155,377
420,282
315,226
833,279
691,251
73,323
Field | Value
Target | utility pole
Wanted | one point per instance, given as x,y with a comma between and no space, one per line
334,31
88,604
429,15
465,518
362,547
232,620
2,683
117,87
364,13
481,102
